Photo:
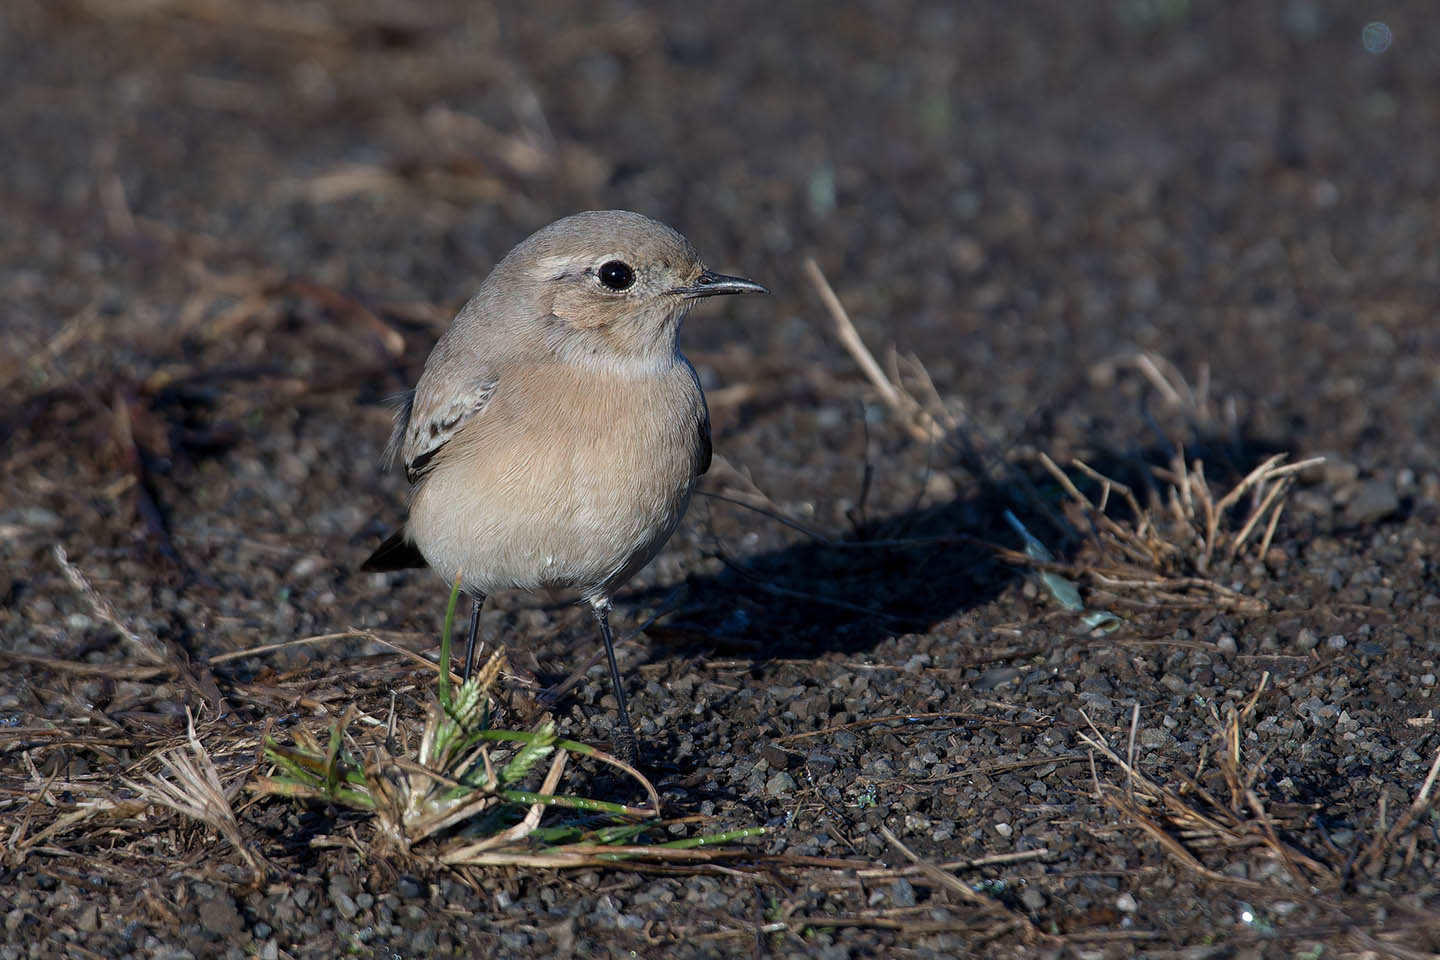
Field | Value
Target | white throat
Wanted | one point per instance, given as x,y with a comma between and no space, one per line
631,367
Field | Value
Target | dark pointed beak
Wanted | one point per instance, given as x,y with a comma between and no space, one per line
712,284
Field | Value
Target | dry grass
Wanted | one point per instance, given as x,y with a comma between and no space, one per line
190,786
1202,821
1162,554
460,797
462,772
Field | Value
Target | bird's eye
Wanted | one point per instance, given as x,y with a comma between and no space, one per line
617,275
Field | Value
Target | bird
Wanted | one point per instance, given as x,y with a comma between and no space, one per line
556,433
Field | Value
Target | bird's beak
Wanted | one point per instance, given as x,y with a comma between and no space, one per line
712,284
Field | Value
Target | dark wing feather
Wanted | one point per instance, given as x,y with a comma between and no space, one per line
396,553
426,428
420,432
707,450
702,424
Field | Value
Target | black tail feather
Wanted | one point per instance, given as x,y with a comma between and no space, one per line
396,553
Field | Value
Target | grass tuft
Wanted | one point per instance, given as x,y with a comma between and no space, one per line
468,792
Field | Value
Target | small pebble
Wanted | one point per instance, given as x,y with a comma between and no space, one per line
219,917
996,677
1373,501
89,919
1152,737
780,784
344,904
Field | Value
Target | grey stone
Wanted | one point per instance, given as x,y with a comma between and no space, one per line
1033,898
1374,500
219,917
780,784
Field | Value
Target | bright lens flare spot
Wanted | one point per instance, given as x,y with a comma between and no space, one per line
1376,37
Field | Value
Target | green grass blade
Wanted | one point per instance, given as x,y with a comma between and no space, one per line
711,839
521,736
332,758
573,803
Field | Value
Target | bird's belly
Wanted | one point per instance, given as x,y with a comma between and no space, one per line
581,512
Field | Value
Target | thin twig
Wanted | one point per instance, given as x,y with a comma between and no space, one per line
921,425
146,649
1377,850
1028,932
283,644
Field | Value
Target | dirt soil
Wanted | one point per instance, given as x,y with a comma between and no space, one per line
233,229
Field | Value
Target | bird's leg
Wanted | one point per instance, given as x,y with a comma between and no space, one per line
476,602
624,730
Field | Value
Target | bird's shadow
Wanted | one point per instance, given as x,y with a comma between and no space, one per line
910,572
902,574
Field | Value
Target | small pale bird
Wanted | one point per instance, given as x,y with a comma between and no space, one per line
557,432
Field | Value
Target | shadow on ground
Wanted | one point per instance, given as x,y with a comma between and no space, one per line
910,572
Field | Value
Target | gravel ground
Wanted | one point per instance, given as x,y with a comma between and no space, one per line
235,229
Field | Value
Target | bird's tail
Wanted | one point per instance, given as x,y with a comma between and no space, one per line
396,553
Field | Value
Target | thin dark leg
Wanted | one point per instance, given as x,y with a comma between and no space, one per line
625,744
476,602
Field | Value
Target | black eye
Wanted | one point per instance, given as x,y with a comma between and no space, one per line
617,275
